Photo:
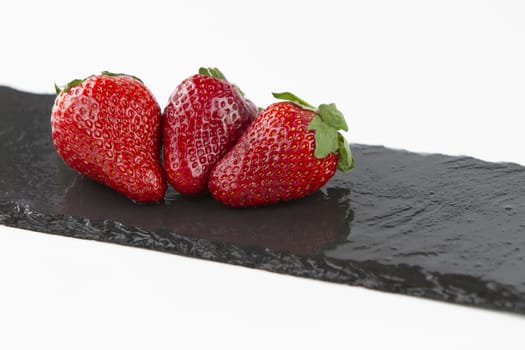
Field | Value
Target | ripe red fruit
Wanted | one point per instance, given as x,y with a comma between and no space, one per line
107,127
204,117
289,151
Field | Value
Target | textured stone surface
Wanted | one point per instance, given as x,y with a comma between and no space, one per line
448,228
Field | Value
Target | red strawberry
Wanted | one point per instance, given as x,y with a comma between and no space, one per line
107,127
204,117
289,151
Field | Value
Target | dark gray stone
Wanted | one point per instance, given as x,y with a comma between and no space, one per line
447,228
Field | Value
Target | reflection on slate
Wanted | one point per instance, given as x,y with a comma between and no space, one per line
202,217
447,228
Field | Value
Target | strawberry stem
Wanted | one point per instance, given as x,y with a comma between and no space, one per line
326,124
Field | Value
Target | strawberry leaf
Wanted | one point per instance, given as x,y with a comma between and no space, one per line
326,140
75,82
326,125
120,74
332,116
212,72
288,96
68,86
346,161
216,73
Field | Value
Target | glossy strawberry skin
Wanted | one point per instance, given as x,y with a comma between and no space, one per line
108,129
273,161
202,120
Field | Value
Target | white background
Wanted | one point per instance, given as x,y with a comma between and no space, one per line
428,76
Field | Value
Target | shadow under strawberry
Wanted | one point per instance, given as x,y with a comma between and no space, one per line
305,226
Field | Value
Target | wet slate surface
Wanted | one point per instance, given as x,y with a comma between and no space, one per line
441,227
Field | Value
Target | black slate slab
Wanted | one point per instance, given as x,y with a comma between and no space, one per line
447,228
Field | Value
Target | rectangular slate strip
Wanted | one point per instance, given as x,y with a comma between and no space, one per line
435,226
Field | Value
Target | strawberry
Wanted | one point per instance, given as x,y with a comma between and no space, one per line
107,127
289,151
204,117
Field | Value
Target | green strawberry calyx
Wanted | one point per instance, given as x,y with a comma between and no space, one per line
76,82
216,73
212,72
327,125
